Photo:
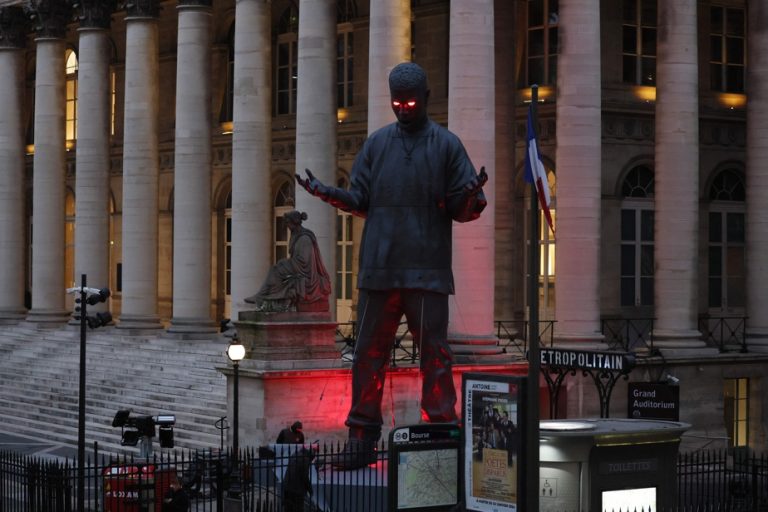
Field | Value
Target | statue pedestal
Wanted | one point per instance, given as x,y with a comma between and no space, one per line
288,336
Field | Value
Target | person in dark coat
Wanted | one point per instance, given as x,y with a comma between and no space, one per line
296,481
177,498
291,435
411,180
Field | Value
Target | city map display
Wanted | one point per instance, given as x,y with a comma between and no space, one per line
427,478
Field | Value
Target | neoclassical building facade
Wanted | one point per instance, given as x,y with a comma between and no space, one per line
152,146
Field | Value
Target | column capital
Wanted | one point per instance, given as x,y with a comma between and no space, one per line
94,13
142,8
195,3
49,17
13,27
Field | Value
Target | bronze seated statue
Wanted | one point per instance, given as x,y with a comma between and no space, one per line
298,282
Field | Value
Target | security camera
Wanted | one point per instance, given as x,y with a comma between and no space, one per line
671,379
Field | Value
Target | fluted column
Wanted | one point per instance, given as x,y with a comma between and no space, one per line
389,44
12,221
757,179
251,152
676,231
471,116
192,174
316,119
579,166
49,167
93,161
140,168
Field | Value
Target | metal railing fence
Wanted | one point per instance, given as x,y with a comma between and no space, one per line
209,479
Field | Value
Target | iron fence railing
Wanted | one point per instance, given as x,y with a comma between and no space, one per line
736,480
513,335
707,480
403,348
727,333
209,479
628,334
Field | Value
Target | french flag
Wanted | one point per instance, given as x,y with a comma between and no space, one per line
534,170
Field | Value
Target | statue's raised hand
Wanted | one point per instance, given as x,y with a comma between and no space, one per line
313,185
475,185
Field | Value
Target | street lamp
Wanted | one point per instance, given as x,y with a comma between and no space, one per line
236,353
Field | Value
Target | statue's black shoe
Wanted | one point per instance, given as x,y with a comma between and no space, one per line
357,453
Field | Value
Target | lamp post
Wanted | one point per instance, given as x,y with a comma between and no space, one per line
236,353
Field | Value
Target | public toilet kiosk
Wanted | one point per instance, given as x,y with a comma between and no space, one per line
608,464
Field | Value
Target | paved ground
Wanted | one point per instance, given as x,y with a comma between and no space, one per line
40,448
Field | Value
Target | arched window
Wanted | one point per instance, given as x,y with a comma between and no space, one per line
71,94
637,237
726,254
286,66
284,203
542,41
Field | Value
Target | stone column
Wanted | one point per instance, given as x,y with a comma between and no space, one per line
251,152
192,176
12,219
757,179
676,231
49,166
389,44
316,120
471,116
140,168
93,160
579,167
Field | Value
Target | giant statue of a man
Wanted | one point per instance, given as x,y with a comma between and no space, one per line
410,181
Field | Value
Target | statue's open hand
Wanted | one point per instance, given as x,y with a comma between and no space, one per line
312,185
475,185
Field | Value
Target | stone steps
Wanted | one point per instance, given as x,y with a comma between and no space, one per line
39,383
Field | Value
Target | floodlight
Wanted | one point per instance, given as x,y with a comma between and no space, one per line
165,436
101,296
99,320
165,420
130,437
145,425
121,418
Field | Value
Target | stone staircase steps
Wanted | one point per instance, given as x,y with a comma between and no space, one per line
39,383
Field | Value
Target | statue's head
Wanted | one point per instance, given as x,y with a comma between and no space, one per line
294,218
409,94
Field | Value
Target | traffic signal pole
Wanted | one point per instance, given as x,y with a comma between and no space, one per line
81,402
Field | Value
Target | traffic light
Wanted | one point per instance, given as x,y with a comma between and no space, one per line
100,296
99,320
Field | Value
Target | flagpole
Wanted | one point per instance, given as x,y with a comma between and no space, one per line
534,365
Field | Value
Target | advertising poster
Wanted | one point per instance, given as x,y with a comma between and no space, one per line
493,429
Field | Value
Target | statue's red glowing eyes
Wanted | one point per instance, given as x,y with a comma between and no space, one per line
407,104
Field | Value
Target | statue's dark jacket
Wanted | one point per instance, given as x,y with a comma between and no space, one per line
409,187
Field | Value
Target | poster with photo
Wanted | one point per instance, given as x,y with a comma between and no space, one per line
493,447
